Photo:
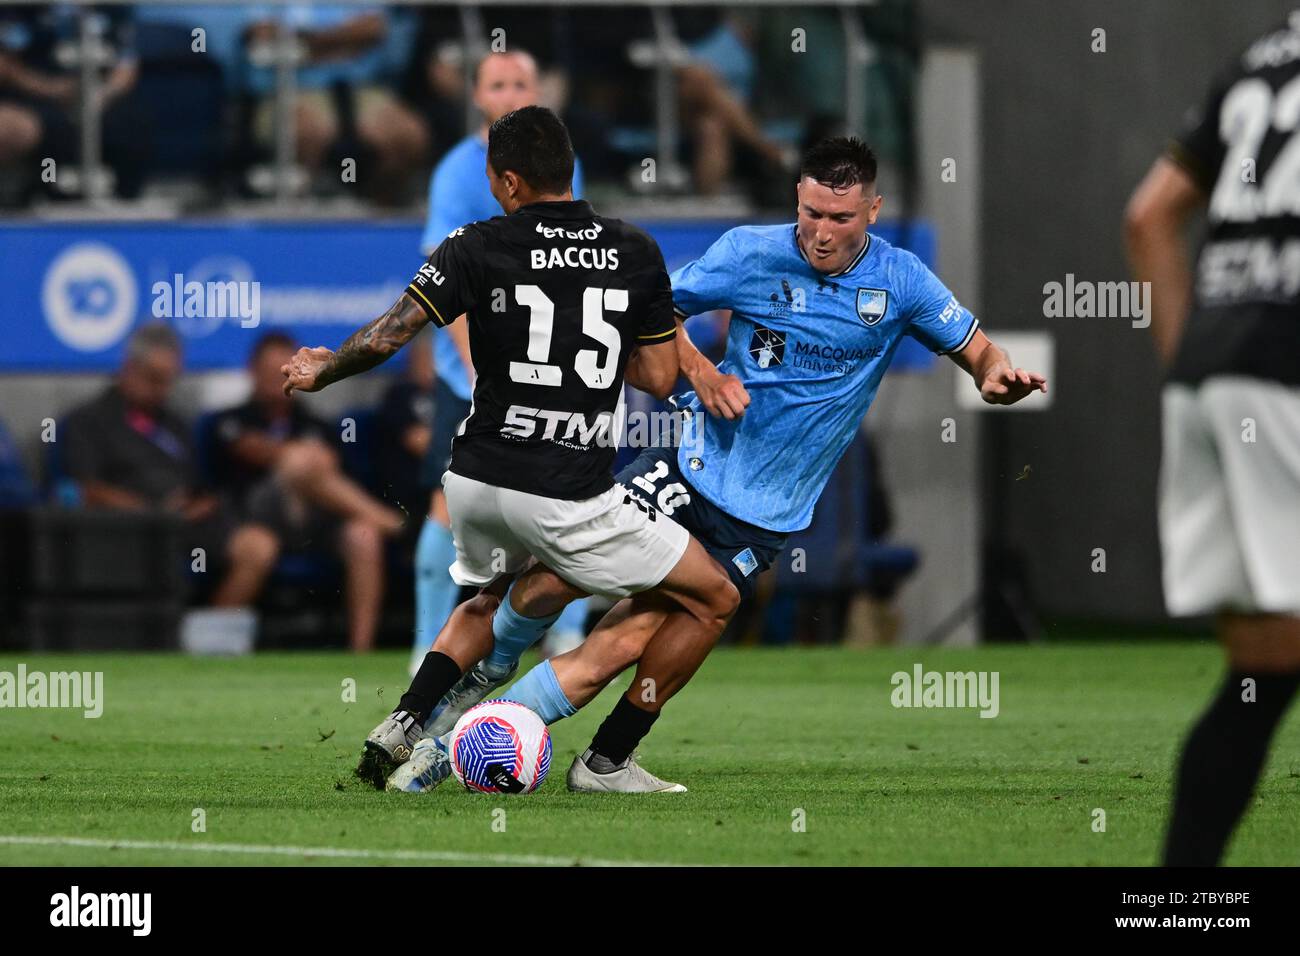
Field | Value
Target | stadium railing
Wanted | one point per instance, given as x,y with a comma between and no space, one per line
185,92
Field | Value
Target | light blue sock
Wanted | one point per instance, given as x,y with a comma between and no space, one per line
513,634
539,691
435,591
573,618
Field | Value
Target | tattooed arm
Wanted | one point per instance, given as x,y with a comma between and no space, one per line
310,370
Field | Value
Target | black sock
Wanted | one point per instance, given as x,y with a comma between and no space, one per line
1221,763
438,673
621,731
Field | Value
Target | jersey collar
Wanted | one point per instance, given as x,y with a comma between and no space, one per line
562,209
857,260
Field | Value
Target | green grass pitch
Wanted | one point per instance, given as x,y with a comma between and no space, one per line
264,746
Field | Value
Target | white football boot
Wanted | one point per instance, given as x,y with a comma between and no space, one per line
429,766
630,777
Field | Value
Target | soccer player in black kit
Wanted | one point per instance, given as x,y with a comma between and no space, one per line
562,304
1230,475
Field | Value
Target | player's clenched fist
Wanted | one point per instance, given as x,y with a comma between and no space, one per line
722,395
302,371
1004,385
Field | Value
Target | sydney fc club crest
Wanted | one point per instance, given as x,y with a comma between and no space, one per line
767,348
872,304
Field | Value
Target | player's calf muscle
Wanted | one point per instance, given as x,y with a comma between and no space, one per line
617,643
467,636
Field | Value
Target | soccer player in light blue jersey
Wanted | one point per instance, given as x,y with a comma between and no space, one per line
458,194
818,308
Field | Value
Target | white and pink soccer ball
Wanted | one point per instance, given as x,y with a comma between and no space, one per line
500,746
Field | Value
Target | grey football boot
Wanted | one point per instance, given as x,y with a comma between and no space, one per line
471,689
631,777
388,747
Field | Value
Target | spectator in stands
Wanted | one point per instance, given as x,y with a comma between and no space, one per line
277,462
435,82
714,89
340,93
127,451
39,99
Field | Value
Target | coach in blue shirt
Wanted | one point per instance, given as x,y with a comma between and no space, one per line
459,194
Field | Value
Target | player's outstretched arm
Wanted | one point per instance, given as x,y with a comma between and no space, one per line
722,395
999,382
312,369
1154,221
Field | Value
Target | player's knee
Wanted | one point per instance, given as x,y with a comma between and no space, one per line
723,599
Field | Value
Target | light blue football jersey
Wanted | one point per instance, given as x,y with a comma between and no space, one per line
459,194
811,350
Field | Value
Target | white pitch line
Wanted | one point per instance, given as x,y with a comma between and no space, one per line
330,852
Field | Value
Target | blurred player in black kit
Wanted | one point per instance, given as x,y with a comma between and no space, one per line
1230,475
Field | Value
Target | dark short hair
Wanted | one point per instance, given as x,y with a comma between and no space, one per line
268,340
840,162
533,143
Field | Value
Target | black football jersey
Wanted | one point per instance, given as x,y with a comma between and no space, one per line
1243,147
556,298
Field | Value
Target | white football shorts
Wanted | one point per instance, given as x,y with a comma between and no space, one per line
1230,496
608,545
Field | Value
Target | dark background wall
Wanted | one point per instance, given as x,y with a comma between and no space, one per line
1067,134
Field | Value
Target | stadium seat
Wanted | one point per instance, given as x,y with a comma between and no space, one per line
80,553
205,446
58,486
185,95
104,580
98,625
16,490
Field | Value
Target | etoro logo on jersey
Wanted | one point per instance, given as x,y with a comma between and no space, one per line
767,347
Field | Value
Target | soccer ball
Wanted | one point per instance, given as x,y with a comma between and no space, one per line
500,746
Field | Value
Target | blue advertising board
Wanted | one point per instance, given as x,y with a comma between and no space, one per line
71,293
